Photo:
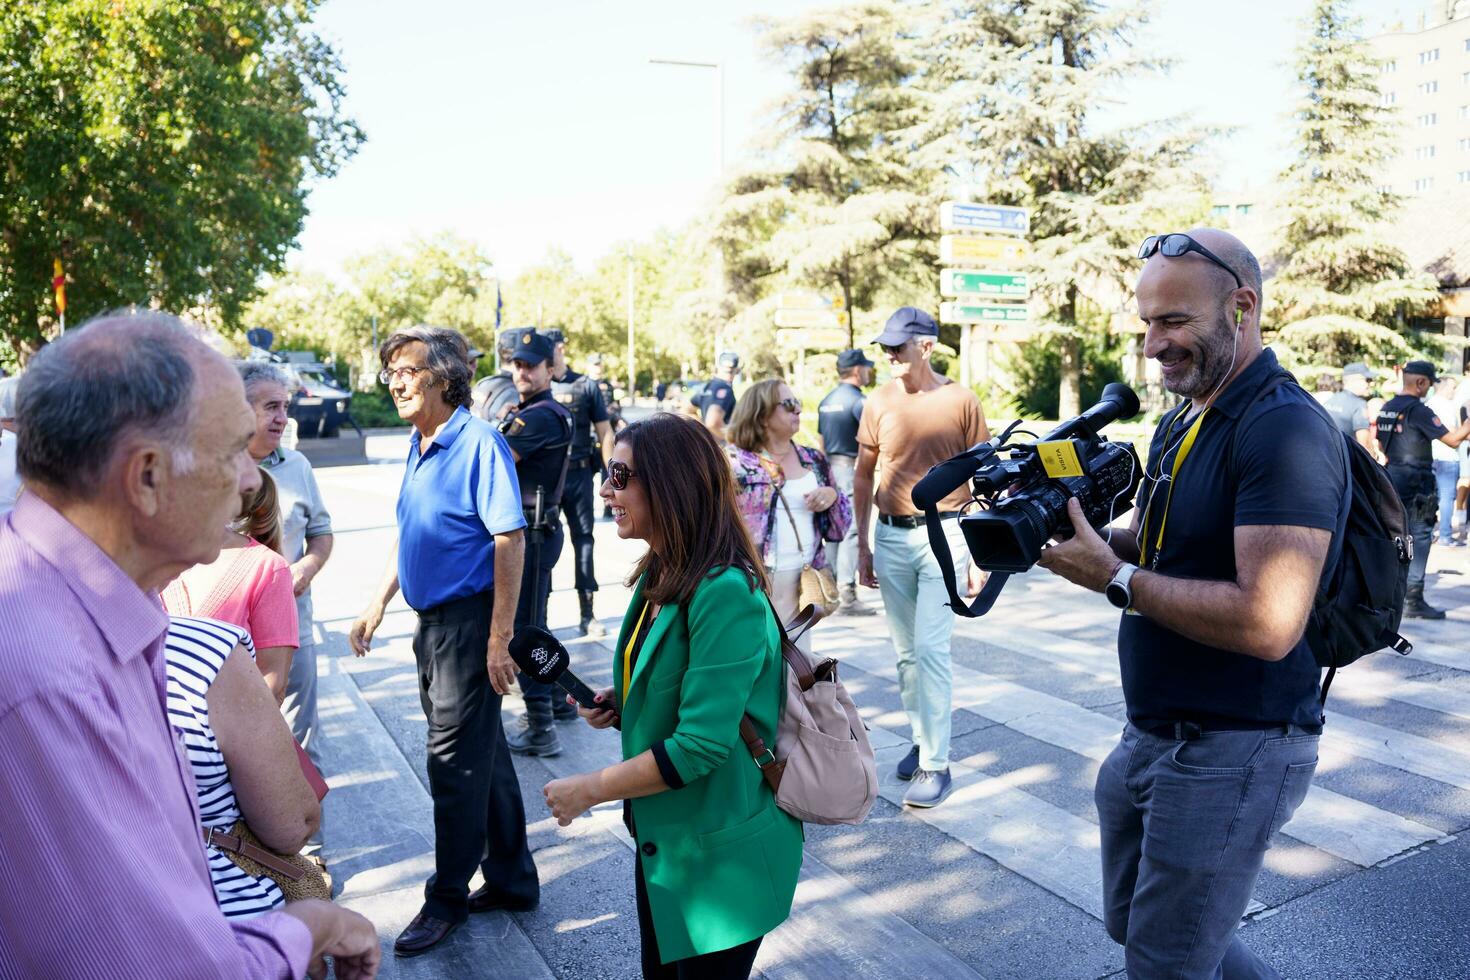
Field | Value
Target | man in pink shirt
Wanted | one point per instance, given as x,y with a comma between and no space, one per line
132,446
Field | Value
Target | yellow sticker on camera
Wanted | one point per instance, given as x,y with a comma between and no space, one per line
1059,458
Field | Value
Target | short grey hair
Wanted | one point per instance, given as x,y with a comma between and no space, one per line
92,388
254,373
448,359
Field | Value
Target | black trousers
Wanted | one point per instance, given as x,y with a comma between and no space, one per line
578,501
479,819
535,592
734,963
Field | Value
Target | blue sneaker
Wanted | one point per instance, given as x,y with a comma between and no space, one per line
909,764
931,787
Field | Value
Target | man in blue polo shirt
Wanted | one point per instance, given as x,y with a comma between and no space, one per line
458,562
1245,489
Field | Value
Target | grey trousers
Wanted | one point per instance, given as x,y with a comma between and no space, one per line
842,555
1185,828
299,709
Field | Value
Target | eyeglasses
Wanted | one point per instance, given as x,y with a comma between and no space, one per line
893,350
1176,244
390,375
791,405
618,474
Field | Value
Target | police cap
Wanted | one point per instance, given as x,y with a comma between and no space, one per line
532,347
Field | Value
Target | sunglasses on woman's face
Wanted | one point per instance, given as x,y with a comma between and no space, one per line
791,405
618,474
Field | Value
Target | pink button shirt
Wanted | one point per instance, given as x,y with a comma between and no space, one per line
103,871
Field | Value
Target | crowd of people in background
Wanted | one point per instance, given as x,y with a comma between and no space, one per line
173,539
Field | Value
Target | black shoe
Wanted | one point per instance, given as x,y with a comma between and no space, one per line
909,764
561,711
423,934
482,900
538,740
590,625
1422,610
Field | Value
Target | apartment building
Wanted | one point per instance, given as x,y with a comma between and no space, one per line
1425,74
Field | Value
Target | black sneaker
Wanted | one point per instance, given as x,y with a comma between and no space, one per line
562,711
526,740
909,764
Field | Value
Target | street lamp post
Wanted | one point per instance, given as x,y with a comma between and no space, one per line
719,70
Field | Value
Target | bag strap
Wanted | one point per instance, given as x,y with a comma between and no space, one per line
791,520
238,845
760,753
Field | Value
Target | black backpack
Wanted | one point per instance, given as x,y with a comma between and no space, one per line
1360,600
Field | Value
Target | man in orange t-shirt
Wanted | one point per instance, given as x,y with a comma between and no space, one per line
916,420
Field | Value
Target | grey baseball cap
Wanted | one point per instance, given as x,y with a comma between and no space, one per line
1360,369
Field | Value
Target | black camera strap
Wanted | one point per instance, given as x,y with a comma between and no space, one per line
939,544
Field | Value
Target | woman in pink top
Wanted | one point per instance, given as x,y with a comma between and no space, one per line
249,585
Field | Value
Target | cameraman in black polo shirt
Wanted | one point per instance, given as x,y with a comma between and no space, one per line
1405,428
1246,486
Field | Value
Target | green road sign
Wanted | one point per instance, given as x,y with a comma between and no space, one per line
988,284
977,313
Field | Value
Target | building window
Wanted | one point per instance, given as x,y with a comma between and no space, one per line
1464,144
1385,188
1242,209
1428,88
1465,112
1424,153
1389,66
1429,119
1219,210
1390,98
1425,57
1423,184
1463,176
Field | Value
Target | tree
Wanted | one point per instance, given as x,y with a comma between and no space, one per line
843,211
1340,283
160,149
1012,88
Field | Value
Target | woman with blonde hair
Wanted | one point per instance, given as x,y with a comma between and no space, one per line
248,585
787,496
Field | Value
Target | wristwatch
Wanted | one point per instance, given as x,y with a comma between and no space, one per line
1117,591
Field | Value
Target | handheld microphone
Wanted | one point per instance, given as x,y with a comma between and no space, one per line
544,659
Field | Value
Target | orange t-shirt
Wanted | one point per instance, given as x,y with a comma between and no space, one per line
912,432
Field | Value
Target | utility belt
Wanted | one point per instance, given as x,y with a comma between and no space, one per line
913,520
580,464
549,517
1188,731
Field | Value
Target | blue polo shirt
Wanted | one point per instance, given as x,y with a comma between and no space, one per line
454,499
1260,458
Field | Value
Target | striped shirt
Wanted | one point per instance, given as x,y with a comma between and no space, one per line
196,651
102,867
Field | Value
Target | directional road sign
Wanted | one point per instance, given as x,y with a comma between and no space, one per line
975,250
987,284
813,338
976,313
807,299
820,317
998,218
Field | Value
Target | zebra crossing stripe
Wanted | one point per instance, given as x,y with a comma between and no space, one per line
1366,685
1350,829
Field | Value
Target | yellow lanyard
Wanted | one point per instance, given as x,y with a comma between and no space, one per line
1184,447
628,653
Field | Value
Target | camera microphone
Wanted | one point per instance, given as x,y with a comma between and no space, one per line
543,658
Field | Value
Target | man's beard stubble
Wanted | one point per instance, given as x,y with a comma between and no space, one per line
1213,361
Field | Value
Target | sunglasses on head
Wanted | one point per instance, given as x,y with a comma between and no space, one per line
618,474
790,404
1176,244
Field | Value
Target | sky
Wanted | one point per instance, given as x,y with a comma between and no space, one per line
528,127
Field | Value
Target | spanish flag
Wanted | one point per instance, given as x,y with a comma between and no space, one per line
58,283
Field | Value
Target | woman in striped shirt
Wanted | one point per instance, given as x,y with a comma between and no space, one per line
241,752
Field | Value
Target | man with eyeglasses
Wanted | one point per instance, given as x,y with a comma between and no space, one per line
457,560
1246,489
916,420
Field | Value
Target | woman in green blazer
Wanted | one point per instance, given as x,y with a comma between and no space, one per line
717,860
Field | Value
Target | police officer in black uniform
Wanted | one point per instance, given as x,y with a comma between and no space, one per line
838,416
591,440
539,431
716,403
1405,428
493,396
605,388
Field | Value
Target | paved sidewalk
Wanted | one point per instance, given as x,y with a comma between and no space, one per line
1002,881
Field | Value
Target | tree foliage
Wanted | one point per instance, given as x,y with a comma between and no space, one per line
1013,89
1341,284
161,148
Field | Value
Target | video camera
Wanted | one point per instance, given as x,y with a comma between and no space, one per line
1022,492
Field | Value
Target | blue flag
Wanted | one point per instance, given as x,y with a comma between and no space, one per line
498,305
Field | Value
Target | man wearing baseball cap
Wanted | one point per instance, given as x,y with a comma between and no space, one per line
918,419
1349,407
1405,429
716,403
838,416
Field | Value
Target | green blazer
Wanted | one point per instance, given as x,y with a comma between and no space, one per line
720,859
